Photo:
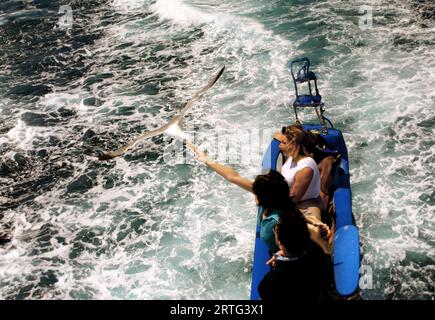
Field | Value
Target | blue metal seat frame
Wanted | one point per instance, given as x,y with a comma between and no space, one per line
300,71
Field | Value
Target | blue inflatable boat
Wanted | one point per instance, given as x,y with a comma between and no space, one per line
346,255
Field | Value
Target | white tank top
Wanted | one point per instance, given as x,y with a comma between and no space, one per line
289,169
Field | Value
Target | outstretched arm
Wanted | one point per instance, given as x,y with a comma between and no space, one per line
228,173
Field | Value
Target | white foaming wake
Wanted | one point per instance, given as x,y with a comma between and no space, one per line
180,13
126,6
23,135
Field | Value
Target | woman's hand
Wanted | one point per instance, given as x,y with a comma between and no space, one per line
272,261
316,236
324,229
200,155
228,173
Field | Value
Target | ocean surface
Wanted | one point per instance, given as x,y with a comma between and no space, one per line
155,223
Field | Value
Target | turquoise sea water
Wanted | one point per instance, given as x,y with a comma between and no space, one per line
150,225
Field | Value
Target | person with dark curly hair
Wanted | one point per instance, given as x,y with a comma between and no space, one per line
300,270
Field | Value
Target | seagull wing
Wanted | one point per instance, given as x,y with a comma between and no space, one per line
176,119
201,92
122,150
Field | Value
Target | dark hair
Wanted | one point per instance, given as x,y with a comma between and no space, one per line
292,232
272,190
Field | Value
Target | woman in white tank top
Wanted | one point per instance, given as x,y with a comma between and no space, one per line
300,171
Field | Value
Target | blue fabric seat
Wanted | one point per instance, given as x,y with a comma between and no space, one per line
307,101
